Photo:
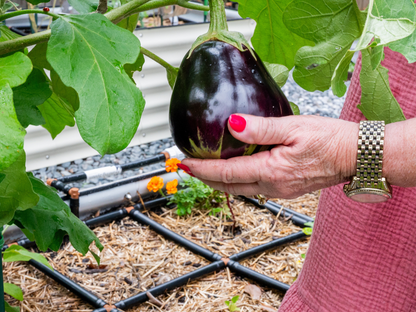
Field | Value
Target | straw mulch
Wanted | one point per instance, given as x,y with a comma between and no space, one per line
136,259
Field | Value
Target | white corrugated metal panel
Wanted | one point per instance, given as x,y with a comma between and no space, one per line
170,43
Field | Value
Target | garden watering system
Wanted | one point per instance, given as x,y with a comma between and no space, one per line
123,193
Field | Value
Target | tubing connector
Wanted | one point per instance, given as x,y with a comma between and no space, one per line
109,307
225,260
49,181
74,193
129,209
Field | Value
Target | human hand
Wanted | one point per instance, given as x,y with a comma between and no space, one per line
311,153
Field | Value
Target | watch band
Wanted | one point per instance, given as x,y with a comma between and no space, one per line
370,153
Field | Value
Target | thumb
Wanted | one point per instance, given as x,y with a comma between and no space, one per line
261,130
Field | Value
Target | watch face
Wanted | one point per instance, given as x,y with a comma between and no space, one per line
370,198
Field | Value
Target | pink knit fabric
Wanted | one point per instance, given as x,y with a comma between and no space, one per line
362,256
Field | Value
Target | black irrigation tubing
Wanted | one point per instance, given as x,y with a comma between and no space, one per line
69,284
257,277
177,282
60,186
119,183
178,239
298,219
139,163
291,212
268,246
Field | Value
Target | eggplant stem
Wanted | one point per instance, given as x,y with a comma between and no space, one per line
218,16
157,59
231,210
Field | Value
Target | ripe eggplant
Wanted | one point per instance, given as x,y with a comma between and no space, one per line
217,78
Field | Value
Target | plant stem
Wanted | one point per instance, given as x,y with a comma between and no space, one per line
125,10
218,16
21,12
115,16
157,59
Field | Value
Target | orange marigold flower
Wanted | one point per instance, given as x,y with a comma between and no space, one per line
155,184
171,187
172,165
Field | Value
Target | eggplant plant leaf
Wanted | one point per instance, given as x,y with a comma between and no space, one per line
386,23
38,56
16,191
295,108
136,66
14,69
172,76
377,55
272,40
280,73
332,25
14,291
377,100
84,6
57,114
88,53
12,134
28,96
19,253
51,218
35,2
341,74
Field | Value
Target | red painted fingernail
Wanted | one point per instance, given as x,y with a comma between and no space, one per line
237,123
186,169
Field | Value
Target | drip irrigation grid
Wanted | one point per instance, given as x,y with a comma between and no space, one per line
217,261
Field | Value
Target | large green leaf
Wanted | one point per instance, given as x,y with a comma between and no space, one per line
11,132
84,6
14,291
333,25
377,100
28,96
58,114
272,40
14,69
88,53
51,219
35,2
388,23
19,253
16,191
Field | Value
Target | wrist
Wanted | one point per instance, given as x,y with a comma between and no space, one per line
395,158
348,161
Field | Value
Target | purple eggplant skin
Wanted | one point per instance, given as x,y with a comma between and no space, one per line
218,80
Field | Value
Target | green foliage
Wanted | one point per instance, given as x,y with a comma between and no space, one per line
295,108
197,195
12,133
280,73
332,25
110,104
16,191
272,40
51,219
232,306
172,76
28,96
9,308
14,291
18,253
14,69
377,100
84,6
308,228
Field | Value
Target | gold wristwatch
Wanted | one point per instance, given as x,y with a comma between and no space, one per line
369,186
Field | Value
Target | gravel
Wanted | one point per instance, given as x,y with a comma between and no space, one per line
310,103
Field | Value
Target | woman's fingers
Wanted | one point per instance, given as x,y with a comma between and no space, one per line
245,169
263,131
246,189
